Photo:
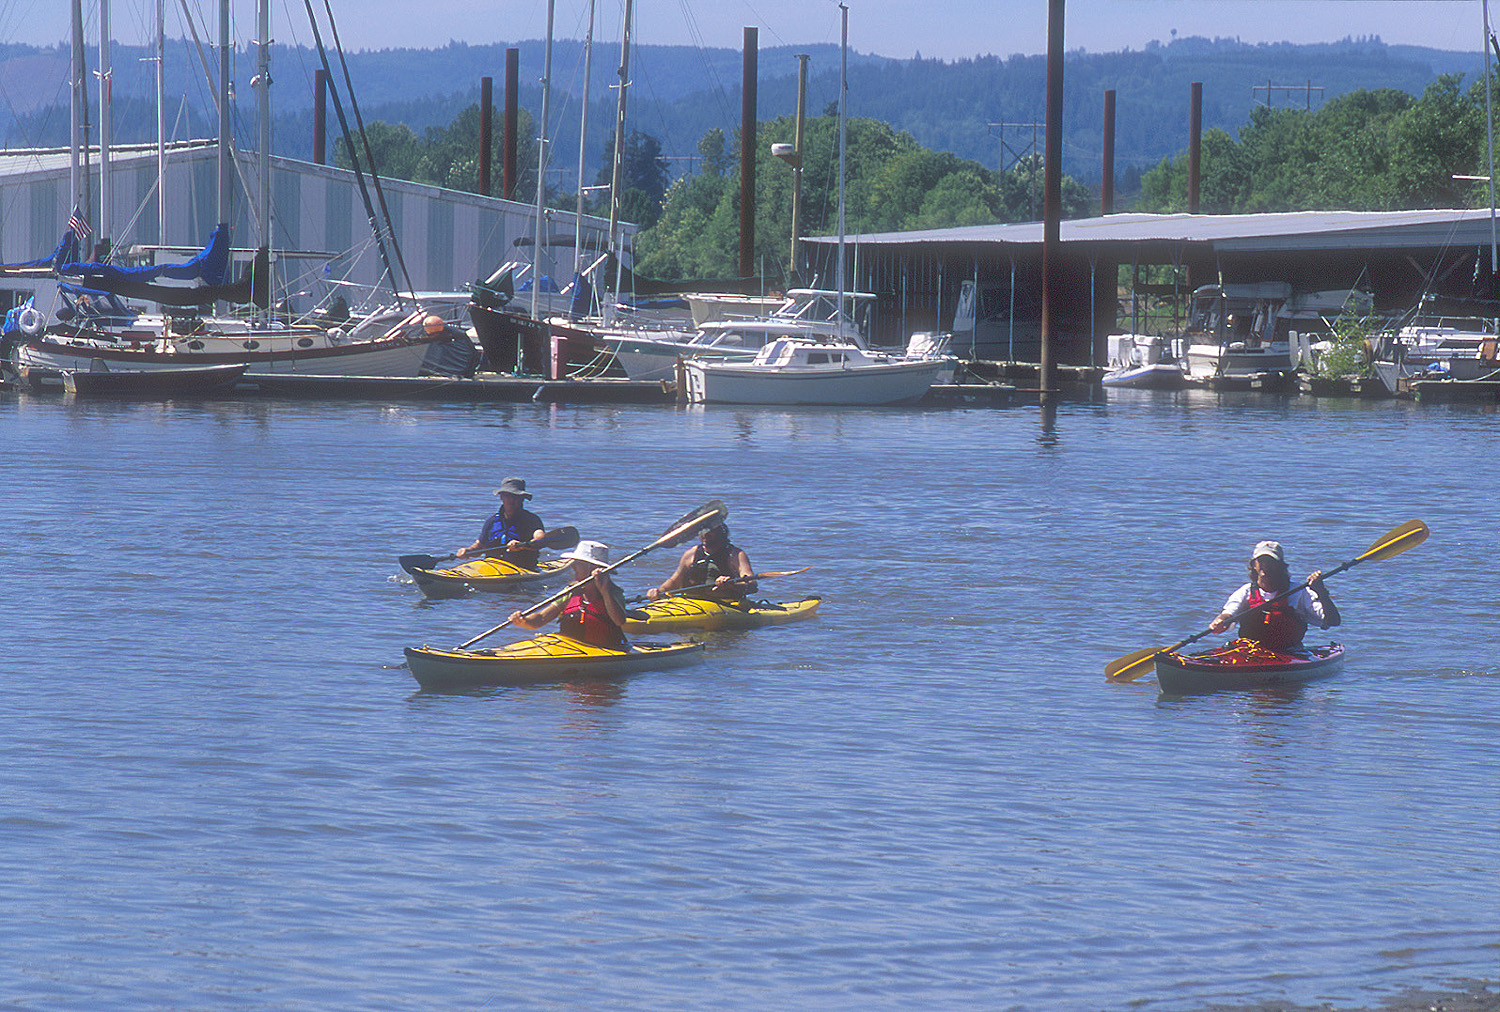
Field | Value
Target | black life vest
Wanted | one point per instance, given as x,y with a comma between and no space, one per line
705,570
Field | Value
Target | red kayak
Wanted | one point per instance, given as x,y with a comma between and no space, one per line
1245,664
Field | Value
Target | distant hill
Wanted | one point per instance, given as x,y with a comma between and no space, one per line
679,93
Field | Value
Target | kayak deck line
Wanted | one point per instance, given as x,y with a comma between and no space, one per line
1245,664
550,657
674,614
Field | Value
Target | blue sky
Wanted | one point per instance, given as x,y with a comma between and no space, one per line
948,29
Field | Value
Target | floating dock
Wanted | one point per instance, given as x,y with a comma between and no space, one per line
484,389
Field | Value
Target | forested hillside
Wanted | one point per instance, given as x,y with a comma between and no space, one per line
679,94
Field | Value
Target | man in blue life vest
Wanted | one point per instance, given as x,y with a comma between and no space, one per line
513,532
715,568
1281,625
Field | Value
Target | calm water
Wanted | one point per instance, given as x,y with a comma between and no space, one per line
221,789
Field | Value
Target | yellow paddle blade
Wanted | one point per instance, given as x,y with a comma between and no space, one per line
1132,666
1408,535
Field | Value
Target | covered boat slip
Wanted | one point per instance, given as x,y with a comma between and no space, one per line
1392,254
548,658
1245,664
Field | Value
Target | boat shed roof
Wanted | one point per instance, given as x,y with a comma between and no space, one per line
1293,230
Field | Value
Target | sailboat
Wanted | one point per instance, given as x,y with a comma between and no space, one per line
91,325
803,369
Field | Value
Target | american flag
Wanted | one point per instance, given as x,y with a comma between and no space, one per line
79,226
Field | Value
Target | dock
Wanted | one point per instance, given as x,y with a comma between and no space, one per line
1451,391
483,389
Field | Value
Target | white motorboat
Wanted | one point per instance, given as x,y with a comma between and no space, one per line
796,370
710,307
806,312
1142,362
1241,331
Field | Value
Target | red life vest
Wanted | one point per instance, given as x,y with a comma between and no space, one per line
1277,625
585,618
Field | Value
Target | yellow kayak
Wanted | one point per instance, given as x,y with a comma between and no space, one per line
670,614
550,657
479,574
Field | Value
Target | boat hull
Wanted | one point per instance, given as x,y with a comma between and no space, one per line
548,658
896,382
495,575
1157,376
264,355
672,614
1244,664
189,381
512,342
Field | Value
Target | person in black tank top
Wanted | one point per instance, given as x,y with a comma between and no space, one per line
714,568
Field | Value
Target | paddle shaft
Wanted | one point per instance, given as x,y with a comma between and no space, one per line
710,513
562,537
738,579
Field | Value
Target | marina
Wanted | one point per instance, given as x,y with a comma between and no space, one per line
280,736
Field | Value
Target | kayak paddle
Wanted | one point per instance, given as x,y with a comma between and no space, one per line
689,526
1397,540
562,538
705,586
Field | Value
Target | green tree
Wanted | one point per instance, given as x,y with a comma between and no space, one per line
448,156
1366,150
893,184
643,178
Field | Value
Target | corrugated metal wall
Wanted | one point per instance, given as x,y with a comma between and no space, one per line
447,239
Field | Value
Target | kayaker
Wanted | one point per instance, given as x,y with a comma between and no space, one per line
595,611
715,568
1279,626
511,529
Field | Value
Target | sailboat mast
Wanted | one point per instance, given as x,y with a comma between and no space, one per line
619,153
79,141
263,120
1489,135
224,125
161,122
843,111
262,84
106,209
583,138
541,166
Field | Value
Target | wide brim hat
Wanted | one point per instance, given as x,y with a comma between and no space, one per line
1270,550
595,553
515,486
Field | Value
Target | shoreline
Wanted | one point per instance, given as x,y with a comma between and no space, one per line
1473,995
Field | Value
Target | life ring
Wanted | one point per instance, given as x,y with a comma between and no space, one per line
31,321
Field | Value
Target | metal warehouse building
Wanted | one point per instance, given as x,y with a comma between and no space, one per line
321,231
